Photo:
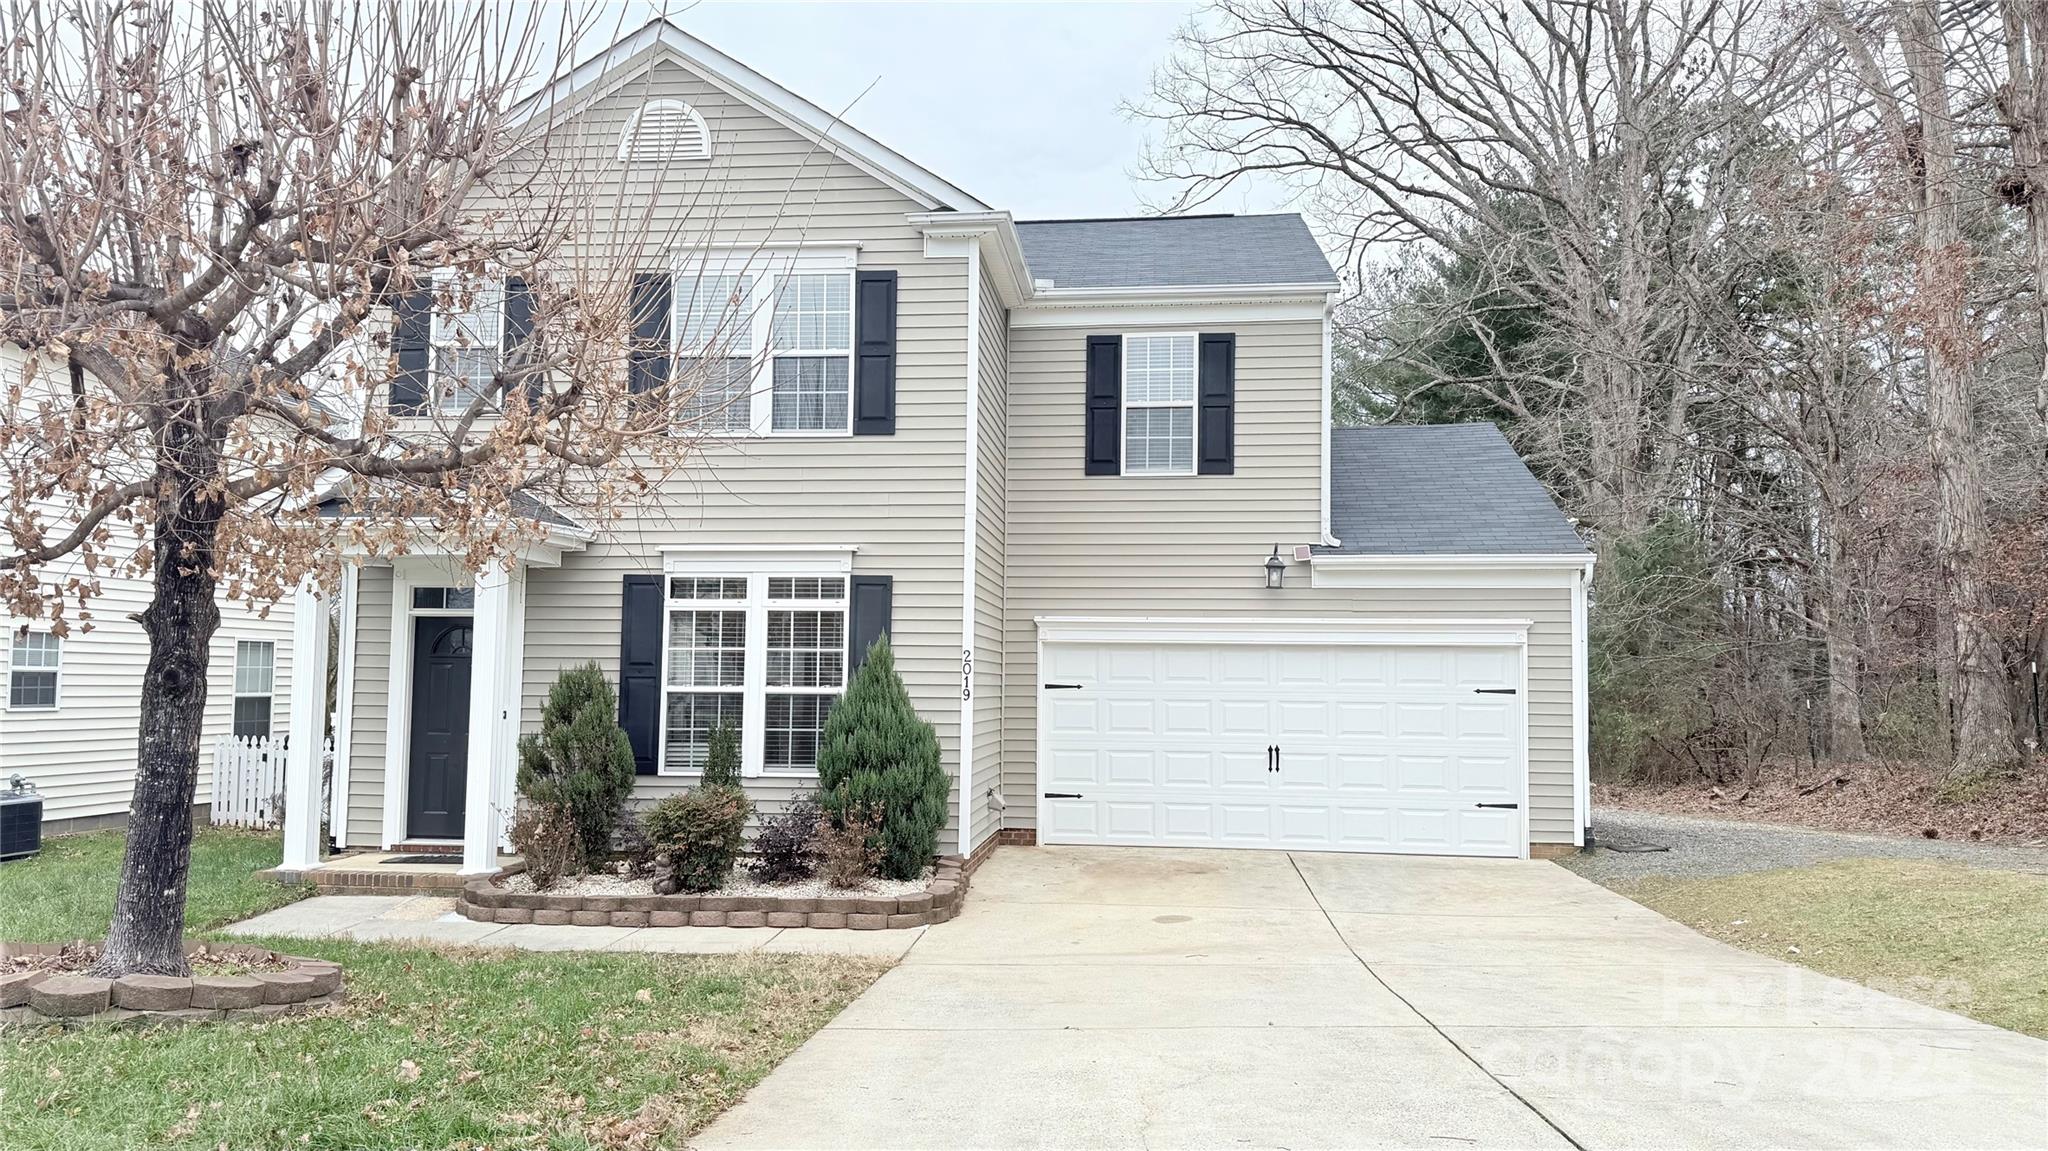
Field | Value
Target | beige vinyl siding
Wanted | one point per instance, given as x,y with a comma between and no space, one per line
81,755
898,498
370,704
991,526
1194,546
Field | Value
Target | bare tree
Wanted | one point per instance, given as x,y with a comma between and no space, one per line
1901,53
1575,156
208,215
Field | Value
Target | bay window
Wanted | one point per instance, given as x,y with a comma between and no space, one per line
763,653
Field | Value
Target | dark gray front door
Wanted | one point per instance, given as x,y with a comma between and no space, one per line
440,728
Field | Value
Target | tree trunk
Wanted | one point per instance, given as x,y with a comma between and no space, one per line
1838,601
1981,702
148,930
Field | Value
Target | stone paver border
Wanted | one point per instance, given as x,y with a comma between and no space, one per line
70,999
484,901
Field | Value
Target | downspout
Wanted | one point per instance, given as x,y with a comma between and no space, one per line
969,540
1329,414
1581,719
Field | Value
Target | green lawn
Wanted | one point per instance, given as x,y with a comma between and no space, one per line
67,892
1968,939
432,1049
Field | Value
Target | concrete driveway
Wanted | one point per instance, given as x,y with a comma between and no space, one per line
1123,997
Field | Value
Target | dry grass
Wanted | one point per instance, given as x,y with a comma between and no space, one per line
1967,939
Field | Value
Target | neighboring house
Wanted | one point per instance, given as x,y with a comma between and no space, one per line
70,712
1081,472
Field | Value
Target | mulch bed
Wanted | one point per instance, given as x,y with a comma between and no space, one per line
204,961
1878,798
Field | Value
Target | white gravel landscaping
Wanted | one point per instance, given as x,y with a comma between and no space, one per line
738,885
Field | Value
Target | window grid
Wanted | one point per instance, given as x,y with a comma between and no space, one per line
811,384
33,666
1159,379
468,335
255,677
707,649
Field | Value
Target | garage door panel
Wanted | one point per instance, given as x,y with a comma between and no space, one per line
1381,749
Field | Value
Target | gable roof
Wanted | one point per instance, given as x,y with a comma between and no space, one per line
1174,252
1439,489
628,57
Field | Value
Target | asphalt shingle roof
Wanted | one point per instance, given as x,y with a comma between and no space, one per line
1439,489
521,503
1174,251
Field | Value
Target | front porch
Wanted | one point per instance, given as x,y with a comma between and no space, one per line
441,652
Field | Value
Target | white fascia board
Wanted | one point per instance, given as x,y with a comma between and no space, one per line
752,559
621,62
1183,311
1343,631
1503,572
947,235
1565,560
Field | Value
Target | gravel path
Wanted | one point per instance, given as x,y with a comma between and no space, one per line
1701,848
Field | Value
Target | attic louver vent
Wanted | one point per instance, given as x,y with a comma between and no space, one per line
663,131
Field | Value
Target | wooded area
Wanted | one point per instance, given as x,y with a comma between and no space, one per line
1759,290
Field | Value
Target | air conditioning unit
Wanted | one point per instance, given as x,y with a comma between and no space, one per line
21,820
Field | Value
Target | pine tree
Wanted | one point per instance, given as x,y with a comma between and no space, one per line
580,758
722,757
879,758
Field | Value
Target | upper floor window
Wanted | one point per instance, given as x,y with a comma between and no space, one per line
32,670
766,348
662,131
1159,404
468,334
255,675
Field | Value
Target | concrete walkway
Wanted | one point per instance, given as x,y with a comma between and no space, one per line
432,920
1103,997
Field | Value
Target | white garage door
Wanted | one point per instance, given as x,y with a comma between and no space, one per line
1415,749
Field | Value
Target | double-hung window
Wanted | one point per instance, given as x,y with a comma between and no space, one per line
468,334
764,653
763,342
33,667
1159,404
714,326
255,674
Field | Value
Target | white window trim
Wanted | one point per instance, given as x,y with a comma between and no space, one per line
239,695
665,105
1124,406
56,694
440,335
756,567
767,267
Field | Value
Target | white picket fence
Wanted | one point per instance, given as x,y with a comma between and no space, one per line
248,781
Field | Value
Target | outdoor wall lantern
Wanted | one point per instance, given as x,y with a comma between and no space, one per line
1276,570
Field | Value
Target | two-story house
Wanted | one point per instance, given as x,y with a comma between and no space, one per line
1082,473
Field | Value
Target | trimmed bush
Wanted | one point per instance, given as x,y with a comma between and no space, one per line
721,757
697,835
544,835
580,759
879,760
785,848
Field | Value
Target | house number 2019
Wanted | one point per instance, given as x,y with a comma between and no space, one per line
966,673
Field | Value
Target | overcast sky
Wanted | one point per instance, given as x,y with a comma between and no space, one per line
1020,104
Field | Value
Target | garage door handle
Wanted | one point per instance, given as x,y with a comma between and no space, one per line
1063,687
1062,795
1493,691
1509,806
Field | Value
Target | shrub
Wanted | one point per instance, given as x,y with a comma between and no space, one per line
544,835
785,847
845,855
721,757
635,849
580,759
877,759
697,835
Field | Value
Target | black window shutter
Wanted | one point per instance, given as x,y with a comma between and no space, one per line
412,332
1105,405
874,374
868,598
1217,362
647,362
518,328
640,667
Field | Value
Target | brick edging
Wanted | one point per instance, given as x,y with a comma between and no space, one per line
483,901
68,999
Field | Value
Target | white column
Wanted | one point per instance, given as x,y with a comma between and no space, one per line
302,796
494,660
